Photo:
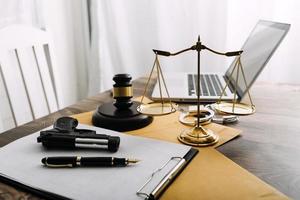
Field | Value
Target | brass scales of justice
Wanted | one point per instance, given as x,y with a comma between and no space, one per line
198,135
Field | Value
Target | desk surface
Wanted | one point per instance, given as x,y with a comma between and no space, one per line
269,146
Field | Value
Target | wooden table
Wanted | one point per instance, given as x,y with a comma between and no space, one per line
269,146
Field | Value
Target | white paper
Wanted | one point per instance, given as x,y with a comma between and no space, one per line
21,161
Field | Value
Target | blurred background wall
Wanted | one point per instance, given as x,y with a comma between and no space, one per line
93,40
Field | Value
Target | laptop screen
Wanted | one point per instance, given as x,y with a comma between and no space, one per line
257,50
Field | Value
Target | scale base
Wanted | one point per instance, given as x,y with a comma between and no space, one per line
109,117
198,136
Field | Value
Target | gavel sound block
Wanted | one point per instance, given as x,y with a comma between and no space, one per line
121,115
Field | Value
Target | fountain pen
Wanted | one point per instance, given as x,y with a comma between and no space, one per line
78,161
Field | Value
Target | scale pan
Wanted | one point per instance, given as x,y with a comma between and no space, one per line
239,108
156,109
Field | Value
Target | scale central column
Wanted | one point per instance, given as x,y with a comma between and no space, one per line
198,135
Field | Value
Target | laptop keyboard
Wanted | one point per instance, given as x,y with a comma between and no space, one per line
210,85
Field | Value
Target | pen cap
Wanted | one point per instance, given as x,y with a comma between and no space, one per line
113,143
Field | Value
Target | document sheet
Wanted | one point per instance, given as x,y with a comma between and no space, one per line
21,161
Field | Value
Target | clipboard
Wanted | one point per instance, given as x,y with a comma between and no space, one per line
27,188
154,195
169,177
29,175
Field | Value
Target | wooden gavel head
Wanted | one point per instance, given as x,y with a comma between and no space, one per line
122,91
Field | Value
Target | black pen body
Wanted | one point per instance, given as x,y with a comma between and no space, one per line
102,161
77,161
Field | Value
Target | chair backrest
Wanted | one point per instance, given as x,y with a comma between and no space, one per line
27,85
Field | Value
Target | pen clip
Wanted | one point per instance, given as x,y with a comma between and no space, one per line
57,166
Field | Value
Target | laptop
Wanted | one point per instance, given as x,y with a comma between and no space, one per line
257,51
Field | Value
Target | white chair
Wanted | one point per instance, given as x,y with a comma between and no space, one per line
27,85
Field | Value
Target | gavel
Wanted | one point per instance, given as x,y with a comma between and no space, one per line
121,114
